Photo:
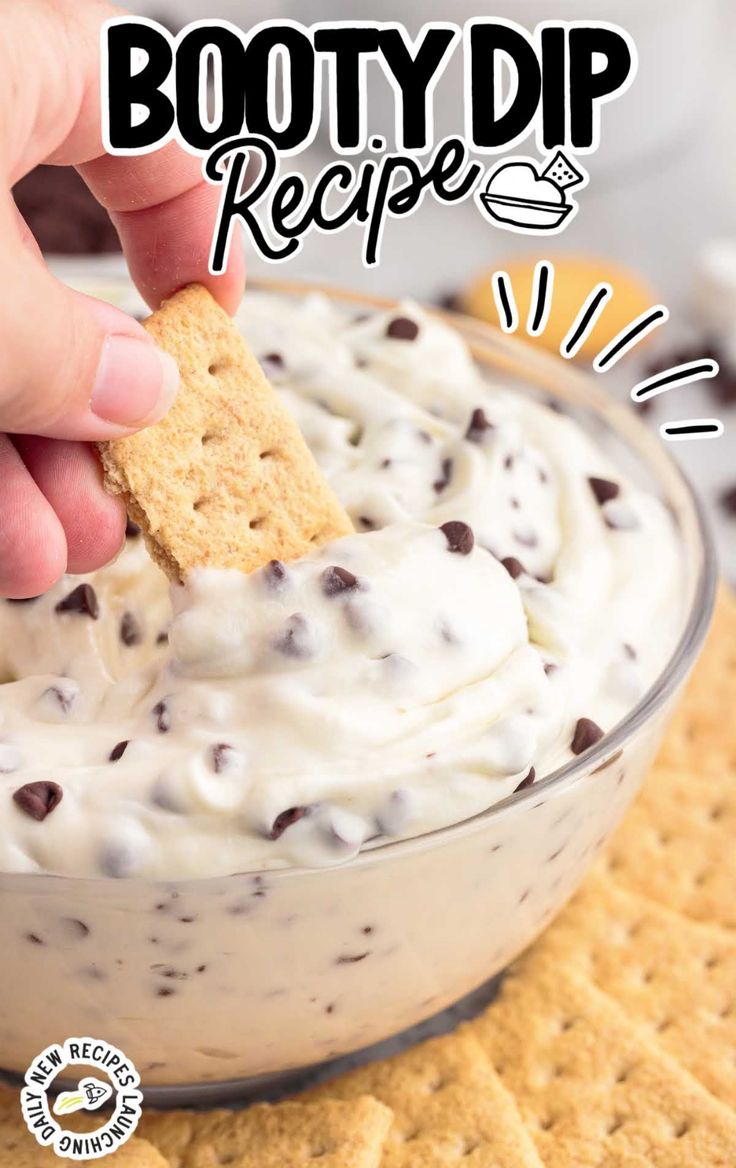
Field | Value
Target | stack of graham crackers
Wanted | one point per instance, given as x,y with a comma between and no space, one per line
612,1043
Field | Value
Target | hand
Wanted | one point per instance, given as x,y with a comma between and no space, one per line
74,370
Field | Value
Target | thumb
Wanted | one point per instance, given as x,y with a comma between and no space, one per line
74,367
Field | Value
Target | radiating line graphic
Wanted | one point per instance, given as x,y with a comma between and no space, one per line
634,332
683,374
541,299
586,319
692,428
503,294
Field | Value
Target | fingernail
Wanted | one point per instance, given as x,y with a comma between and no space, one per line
136,382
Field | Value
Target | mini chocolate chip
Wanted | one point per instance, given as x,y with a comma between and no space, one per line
478,426
459,537
514,567
130,630
38,799
165,992
119,750
295,640
285,819
336,580
727,500
162,638
81,600
527,780
219,755
275,573
65,698
34,939
366,523
162,714
604,489
401,328
132,530
508,462
587,733
275,360
440,484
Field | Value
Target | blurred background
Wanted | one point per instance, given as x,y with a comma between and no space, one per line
658,218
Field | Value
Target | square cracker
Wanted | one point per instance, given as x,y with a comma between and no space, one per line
702,733
225,479
594,1091
677,844
448,1104
675,977
293,1134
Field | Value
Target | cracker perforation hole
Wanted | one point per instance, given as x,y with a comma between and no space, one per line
567,1024
712,961
254,524
623,1074
662,1025
701,878
467,1147
726,1011
547,1122
317,1152
209,436
435,1085
266,454
680,1129
615,1124
409,1135
199,504
216,367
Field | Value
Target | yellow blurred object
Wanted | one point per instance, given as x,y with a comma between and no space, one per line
575,277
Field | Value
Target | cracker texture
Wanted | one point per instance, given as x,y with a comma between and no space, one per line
594,1091
293,1134
449,1106
18,1149
677,844
673,976
225,479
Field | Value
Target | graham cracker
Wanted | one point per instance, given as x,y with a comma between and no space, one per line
18,1149
293,1134
677,844
702,733
448,1105
674,977
225,479
593,1090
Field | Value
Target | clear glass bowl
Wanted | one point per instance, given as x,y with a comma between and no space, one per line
203,982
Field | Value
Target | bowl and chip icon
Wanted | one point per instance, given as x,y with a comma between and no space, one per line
523,195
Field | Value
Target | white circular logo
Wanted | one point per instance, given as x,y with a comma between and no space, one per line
117,1088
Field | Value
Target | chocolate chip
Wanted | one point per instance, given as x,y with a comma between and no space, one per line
459,537
162,714
478,426
132,530
604,489
727,500
38,799
130,630
275,574
401,328
366,524
275,360
162,638
119,750
221,757
296,639
65,695
336,580
514,567
81,600
285,819
446,477
587,733
527,780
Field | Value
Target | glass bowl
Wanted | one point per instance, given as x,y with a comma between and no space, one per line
205,982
